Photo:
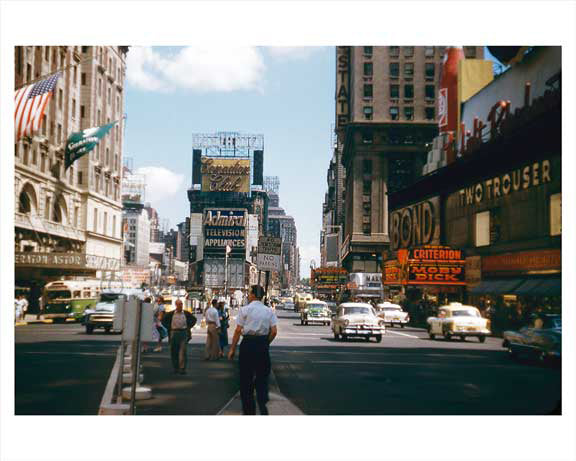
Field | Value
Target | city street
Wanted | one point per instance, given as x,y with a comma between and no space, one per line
65,372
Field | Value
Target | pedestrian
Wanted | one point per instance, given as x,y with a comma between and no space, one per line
40,307
24,306
159,331
179,323
224,316
258,326
212,332
17,309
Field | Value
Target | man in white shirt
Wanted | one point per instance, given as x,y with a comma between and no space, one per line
257,324
178,323
213,330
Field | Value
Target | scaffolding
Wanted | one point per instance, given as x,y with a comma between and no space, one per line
133,188
228,144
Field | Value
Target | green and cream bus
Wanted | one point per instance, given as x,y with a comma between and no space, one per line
68,299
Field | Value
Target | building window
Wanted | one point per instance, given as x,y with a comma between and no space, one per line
99,87
367,137
109,95
409,91
59,138
43,162
482,234
408,69
28,72
394,91
80,177
107,156
46,53
394,51
83,78
394,70
368,112
44,123
95,220
429,113
409,113
113,226
105,224
429,91
556,214
76,216
85,49
368,69
34,157
75,75
60,98
367,90
82,111
25,156
368,50
47,208
73,109
394,113
408,51
429,71
429,51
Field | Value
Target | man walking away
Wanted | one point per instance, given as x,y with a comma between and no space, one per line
213,332
257,323
178,323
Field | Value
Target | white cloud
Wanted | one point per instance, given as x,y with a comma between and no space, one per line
202,69
161,183
292,52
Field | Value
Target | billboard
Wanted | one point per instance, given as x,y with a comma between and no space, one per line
269,251
224,227
225,174
329,278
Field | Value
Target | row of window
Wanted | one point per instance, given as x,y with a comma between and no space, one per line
429,51
104,223
394,70
429,113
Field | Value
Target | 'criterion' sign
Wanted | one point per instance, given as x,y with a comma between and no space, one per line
269,251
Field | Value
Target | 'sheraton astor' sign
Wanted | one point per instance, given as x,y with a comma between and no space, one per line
225,174
67,261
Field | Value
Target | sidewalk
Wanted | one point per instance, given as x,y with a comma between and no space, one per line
32,319
209,388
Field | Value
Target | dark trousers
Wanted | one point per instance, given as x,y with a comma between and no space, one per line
178,341
254,371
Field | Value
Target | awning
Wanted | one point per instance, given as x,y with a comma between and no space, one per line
497,287
541,287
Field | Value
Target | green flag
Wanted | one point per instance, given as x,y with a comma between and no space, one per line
84,141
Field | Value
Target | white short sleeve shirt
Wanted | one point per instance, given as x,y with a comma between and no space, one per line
212,315
256,319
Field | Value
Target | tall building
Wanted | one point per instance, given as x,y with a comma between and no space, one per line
386,114
135,221
154,223
75,212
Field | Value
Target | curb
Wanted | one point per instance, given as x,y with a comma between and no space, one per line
33,322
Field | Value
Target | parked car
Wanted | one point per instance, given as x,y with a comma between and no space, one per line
456,319
541,338
316,311
359,320
392,314
102,316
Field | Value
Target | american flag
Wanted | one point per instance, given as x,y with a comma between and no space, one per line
30,102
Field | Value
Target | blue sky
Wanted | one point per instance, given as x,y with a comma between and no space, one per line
286,94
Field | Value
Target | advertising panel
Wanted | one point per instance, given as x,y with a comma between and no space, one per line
66,261
415,225
225,227
225,174
329,278
436,265
366,281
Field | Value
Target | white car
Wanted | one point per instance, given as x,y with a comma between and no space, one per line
456,319
392,314
357,319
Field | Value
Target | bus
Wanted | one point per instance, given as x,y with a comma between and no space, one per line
68,299
300,300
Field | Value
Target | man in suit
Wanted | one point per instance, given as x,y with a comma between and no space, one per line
179,323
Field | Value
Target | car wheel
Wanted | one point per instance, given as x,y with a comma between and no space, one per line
344,337
505,344
301,322
391,325
306,323
89,329
430,334
447,335
107,329
336,336
462,338
481,338
378,338
401,325
367,339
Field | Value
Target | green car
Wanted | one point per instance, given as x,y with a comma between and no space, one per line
316,311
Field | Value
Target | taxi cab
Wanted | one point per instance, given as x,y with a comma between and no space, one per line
457,319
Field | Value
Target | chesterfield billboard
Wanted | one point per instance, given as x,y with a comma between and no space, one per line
225,227
225,174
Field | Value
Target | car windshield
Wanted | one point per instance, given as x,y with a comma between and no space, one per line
390,309
316,306
356,310
111,297
465,313
59,294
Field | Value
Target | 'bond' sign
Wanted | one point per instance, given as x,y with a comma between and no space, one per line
269,251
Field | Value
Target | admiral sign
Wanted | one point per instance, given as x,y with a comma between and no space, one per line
225,227
225,174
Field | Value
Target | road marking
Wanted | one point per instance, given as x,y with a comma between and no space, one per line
108,354
402,334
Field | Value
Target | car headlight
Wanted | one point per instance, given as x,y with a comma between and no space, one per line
381,322
346,322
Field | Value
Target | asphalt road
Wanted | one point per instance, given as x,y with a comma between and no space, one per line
60,370
406,374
